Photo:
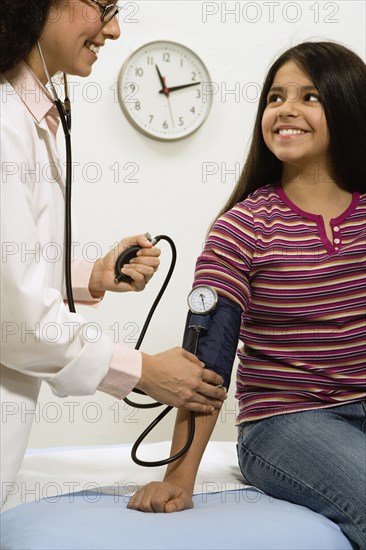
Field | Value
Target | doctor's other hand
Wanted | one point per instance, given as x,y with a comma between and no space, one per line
140,269
159,496
178,378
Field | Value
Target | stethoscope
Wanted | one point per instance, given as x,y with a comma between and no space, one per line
202,300
64,110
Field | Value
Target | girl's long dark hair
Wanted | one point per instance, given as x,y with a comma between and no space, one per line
21,24
340,77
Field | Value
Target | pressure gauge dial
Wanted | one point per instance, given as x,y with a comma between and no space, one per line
202,299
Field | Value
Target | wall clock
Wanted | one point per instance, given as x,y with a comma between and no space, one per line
162,89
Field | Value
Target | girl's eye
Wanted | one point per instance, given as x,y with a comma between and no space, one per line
311,97
274,98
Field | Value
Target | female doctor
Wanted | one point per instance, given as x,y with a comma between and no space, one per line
41,339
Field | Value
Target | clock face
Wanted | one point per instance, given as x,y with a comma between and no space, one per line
162,90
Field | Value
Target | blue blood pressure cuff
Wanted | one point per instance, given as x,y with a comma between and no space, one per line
218,338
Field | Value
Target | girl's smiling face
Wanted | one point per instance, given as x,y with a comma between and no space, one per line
73,35
294,126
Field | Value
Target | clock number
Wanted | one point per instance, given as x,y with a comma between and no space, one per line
166,57
181,62
139,71
137,105
193,76
151,117
193,110
150,60
198,93
130,95
165,125
181,121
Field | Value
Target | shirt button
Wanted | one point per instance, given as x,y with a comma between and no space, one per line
337,241
336,248
336,228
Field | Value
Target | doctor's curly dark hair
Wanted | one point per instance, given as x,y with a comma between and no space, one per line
21,24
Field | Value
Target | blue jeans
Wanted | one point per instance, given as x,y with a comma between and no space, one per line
313,458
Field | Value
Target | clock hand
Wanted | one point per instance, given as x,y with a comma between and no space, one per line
160,77
170,110
164,89
174,88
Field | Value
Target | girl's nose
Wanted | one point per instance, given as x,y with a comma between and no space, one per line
288,108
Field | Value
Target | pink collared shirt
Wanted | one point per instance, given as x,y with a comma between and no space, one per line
34,95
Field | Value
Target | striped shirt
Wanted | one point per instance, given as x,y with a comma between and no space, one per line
302,299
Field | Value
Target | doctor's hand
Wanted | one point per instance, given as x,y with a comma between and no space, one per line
140,269
178,378
159,496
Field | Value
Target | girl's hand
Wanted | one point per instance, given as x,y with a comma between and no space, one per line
140,269
159,496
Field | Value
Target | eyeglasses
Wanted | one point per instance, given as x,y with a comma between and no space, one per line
107,12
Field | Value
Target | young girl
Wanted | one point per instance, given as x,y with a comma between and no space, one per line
287,259
41,338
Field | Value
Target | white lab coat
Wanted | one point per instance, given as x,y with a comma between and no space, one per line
41,339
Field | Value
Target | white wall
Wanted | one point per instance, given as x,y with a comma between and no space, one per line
170,195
